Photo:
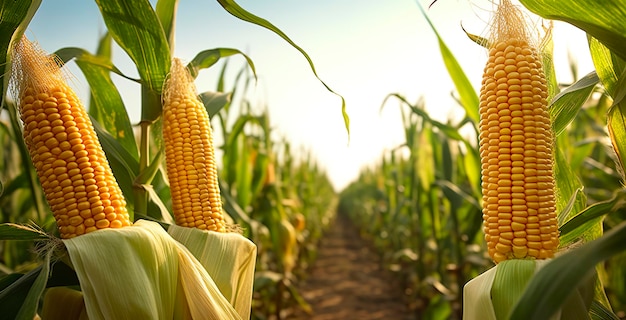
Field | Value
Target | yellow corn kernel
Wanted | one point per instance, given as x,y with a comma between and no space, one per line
190,154
75,174
517,161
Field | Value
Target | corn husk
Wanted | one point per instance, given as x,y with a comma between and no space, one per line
229,258
493,294
141,272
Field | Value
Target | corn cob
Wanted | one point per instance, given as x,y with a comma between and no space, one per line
70,163
190,155
519,210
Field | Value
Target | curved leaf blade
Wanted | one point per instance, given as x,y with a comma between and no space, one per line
233,8
68,53
207,58
602,21
565,105
576,227
467,94
214,101
166,11
136,28
12,231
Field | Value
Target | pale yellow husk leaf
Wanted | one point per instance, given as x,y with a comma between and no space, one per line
478,295
141,272
229,258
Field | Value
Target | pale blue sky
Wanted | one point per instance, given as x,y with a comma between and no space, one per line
363,49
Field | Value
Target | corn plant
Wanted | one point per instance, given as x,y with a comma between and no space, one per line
135,190
588,175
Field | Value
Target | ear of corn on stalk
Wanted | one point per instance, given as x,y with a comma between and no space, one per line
135,272
228,257
519,209
189,154
70,163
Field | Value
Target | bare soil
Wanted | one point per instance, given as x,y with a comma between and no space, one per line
348,282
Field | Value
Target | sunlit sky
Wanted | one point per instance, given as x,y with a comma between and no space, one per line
363,49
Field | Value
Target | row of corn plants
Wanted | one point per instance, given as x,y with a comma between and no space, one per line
106,219
469,220
284,202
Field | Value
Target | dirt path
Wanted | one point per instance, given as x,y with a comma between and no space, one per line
347,282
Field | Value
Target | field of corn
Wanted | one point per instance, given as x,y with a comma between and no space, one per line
515,211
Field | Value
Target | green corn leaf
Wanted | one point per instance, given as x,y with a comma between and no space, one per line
166,11
214,101
565,105
479,40
567,211
12,231
148,174
450,132
164,214
600,312
7,280
244,169
579,226
260,172
14,292
207,58
567,184
14,19
447,162
20,181
14,288
608,65
69,53
604,22
237,128
551,286
31,302
617,132
471,162
233,8
425,159
454,191
136,28
107,106
467,94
